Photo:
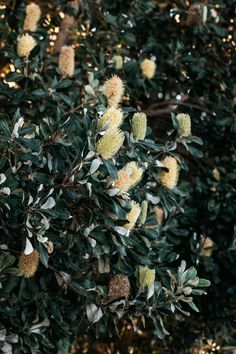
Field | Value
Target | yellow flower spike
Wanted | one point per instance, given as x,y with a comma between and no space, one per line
28,264
133,215
33,14
123,181
67,61
118,61
148,68
113,89
169,179
113,117
135,173
128,177
184,121
139,126
146,277
110,143
25,45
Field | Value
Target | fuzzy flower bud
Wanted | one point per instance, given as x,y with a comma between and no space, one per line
146,277
67,61
133,215
113,89
143,214
25,45
184,121
118,61
148,68
128,177
170,179
139,126
28,263
110,143
33,14
111,119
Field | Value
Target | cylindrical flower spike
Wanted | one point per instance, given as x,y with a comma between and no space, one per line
118,61
139,126
170,179
112,118
123,181
110,143
28,263
184,122
33,14
67,61
113,89
143,214
148,68
146,277
25,45
133,215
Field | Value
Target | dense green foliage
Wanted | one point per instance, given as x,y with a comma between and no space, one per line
54,188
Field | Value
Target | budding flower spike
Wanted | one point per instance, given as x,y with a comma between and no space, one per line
146,277
33,14
169,179
118,61
28,261
148,68
67,61
25,45
113,89
133,215
112,118
111,142
139,126
184,122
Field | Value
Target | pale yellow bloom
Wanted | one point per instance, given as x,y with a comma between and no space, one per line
139,126
112,118
28,264
169,179
67,61
25,45
184,121
208,246
129,176
133,215
113,89
118,60
110,143
135,172
33,14
146,277
123,181
148,68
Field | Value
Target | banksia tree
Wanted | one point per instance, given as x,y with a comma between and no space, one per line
80,181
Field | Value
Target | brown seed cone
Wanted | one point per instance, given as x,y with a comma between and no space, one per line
28,264
119,287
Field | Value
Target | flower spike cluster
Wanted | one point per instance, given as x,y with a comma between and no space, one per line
169,179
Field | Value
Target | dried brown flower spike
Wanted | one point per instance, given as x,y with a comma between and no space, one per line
119,287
